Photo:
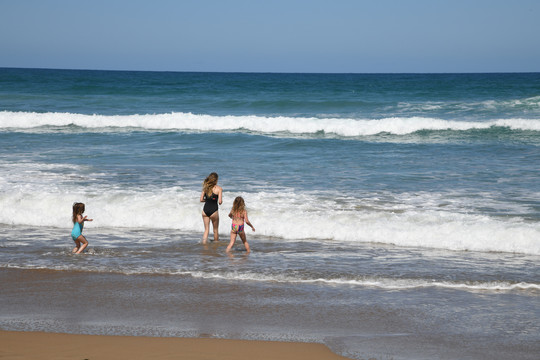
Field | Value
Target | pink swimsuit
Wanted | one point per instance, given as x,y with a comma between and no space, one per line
237,228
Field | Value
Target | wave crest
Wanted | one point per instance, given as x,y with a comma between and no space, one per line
258,124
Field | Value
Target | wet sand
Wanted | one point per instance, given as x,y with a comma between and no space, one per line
39,345
103,309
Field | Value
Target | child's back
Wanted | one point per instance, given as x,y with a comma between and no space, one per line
239,216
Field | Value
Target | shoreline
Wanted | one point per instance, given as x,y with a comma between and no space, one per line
355,322
44,345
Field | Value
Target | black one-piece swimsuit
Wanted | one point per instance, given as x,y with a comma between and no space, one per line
210,204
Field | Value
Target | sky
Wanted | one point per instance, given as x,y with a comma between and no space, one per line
331,36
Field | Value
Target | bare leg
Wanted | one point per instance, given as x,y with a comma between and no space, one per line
206,221
81,239
231,243
77,246
215,225
243,237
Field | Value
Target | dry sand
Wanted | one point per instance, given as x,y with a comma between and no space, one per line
43,346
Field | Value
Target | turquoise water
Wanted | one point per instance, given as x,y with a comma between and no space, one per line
403,183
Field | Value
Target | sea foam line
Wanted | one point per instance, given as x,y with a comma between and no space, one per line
380,283
260,124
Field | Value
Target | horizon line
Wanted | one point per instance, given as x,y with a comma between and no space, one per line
272,72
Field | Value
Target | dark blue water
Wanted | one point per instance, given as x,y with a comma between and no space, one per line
405,187
370,96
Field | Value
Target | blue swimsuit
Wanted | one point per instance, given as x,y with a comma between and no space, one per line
77,230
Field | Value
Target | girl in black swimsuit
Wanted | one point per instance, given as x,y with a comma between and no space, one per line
211,196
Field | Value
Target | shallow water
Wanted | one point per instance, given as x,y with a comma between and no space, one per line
362,300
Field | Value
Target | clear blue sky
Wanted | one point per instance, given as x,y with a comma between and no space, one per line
273,35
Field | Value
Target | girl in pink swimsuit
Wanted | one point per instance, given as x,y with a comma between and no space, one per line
239,216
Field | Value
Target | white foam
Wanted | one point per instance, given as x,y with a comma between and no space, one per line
260,124
283,214
377,282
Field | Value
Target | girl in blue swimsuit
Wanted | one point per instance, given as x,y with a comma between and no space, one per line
78,223
211,196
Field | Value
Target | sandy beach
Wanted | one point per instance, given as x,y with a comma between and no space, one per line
40,345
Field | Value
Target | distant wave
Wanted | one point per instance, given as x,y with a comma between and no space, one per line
531,104
257,124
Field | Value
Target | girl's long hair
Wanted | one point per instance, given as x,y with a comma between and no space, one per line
238,207
78,209
209,183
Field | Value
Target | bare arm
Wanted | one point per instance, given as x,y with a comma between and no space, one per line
81,220
202,196
220,192
85,219
247,221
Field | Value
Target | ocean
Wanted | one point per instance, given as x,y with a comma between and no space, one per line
397,216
